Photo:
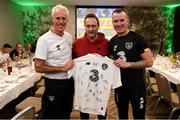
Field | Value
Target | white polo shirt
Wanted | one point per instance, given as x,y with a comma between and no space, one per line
94,77
55,50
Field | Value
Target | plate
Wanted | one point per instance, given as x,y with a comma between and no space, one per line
21,65
10,79
173,70
3,87
164,68
23,75
1,90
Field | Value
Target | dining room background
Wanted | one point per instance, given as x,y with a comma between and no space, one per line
155,24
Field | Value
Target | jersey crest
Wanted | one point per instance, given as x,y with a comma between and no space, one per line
128,45
104,66
51,98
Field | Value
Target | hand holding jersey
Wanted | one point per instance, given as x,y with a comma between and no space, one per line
147,61
122,64
69,65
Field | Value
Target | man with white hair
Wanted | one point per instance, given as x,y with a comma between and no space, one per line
53,58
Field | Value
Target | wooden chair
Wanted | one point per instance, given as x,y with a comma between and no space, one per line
151,83
30,101
26,113
40,83
165,92
40,91
175,113
151,92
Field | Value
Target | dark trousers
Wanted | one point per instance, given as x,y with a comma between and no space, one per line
57,101
137,97
86,116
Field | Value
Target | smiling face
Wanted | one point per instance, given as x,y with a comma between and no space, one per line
120,23
28,46
91,28
59,21
19,48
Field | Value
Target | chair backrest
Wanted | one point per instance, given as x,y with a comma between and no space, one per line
150,82
27,113
164,88
178,90
175,114
147,76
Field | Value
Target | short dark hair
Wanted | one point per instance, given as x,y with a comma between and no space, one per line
7,45
119,10
91,15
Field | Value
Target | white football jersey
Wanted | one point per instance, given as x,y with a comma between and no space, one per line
94,77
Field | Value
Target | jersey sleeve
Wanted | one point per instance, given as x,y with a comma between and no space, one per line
142,44
71,72
41,49
116,78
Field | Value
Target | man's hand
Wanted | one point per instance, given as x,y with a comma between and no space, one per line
69,65
122,64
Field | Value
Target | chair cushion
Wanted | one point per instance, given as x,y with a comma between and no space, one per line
154,88
153,80
40,82
40,92
175,99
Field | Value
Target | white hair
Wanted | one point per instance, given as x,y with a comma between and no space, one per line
58,7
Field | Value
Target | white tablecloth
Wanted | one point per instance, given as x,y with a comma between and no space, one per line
172,75
14,89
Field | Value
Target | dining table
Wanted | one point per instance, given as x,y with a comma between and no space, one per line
163,66
21,79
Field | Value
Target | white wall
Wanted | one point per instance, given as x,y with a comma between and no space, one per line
10,24
71,24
